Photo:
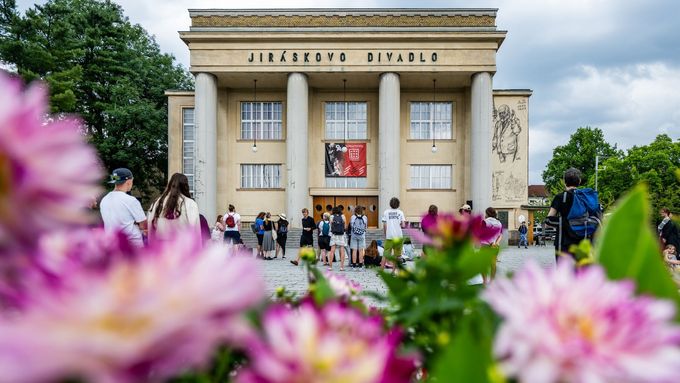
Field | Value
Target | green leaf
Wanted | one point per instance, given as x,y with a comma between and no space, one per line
468,357
627,248
321,290
473,262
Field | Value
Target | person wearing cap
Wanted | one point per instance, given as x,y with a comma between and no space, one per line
465,209
281,235
121,211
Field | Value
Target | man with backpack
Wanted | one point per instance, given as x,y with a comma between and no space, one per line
575,213
338,236
232,226
357,242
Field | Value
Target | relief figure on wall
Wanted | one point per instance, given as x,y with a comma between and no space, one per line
506,133
508,187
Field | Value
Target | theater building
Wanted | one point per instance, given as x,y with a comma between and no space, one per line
322,107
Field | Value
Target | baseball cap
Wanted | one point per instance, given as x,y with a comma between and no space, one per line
120,175
465,207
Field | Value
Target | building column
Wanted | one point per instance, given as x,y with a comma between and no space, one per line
481,137
297,150
389,140
205,176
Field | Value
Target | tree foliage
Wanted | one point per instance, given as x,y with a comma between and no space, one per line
580,152
654,164
102,67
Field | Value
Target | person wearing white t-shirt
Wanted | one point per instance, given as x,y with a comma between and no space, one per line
393,221
121,211
232,226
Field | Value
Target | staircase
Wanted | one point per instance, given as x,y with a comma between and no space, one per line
293,241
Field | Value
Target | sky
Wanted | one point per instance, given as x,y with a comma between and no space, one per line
610,64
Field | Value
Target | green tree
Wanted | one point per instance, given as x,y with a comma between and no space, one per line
103,68
654,164
580,152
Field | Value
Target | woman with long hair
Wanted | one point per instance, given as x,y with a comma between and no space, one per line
173,210
268,243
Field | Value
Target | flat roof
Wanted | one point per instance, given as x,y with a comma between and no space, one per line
347,18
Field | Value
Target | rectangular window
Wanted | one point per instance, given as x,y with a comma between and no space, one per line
431,176
263,120
346,120
188,146
260,176
425,123
346,182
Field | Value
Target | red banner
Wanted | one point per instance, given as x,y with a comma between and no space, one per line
346,160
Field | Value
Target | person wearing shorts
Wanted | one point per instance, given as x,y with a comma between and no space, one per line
357,242
393,220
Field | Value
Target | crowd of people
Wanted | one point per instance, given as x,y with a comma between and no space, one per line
339,238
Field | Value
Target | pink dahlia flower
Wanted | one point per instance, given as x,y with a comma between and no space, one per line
446,230
561,326
48,174
139,320
334,343
343,287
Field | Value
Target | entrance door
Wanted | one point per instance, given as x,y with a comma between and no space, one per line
370,205
322,205
346,205
325,204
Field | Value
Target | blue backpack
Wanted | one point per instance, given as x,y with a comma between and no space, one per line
584,215
325,229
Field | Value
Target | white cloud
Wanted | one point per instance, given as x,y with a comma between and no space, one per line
631,104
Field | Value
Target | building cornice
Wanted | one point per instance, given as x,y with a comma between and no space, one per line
513,92
343,18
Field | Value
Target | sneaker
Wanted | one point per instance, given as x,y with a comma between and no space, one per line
294,262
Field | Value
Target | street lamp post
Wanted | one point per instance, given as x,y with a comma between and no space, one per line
597,166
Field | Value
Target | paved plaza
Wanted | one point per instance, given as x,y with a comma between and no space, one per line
280,272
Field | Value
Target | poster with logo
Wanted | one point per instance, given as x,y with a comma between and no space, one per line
346,163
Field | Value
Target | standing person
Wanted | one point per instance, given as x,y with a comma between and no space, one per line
523,231
281,235
338,235
232,226
217,232
668,230
174,210
393,221
324,240
357,242
268,242
561,207
307,236
121,211
259,232
492,221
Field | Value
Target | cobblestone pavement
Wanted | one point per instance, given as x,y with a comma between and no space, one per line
280,272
